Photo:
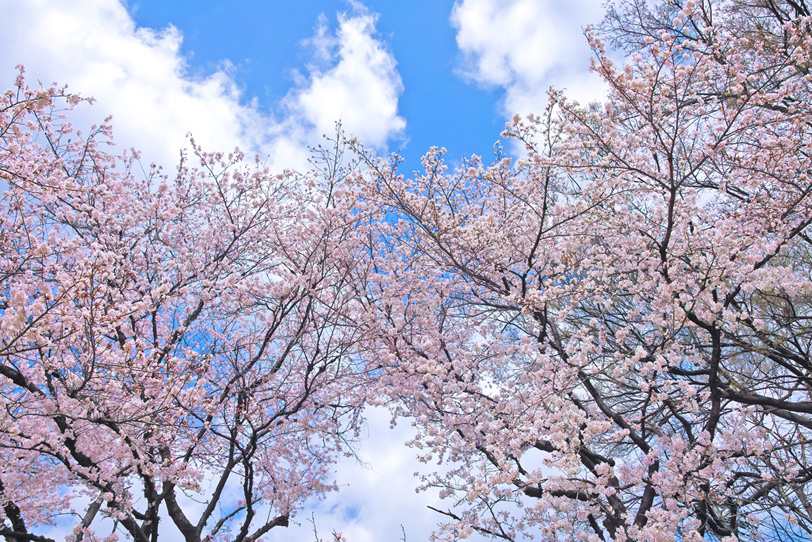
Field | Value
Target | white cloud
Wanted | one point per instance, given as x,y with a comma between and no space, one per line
139,76
526,46
377,499
351,89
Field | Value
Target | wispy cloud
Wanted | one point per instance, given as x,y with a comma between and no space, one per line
526,46
360,85
376,500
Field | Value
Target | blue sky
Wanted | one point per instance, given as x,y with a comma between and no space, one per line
271,77
267,41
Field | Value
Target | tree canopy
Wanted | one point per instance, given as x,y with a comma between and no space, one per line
605,338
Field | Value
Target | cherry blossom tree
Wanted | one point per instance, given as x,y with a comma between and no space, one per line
175,353
609,338
606,339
